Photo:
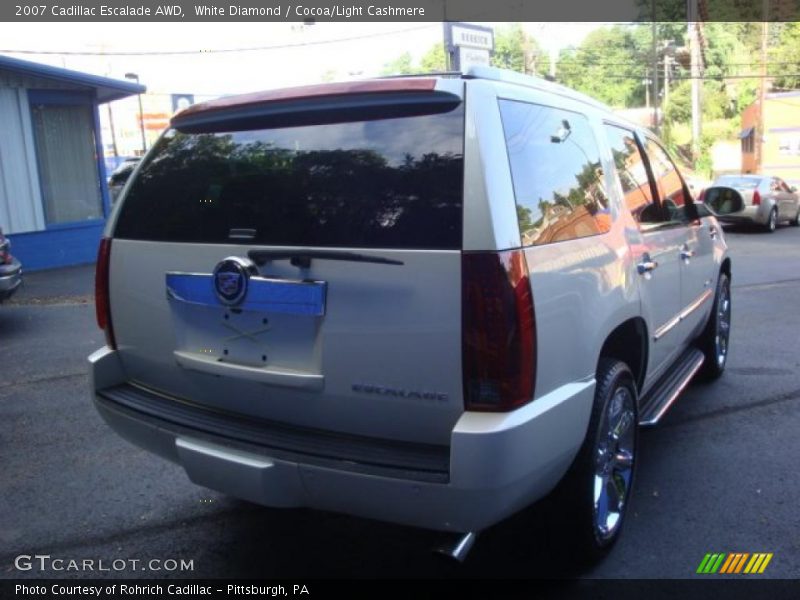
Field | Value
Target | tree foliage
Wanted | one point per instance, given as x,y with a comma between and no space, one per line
615,65
402,65
516,50
786,56
607,66
434,60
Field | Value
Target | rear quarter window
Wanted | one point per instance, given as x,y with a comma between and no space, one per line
388,183
556,171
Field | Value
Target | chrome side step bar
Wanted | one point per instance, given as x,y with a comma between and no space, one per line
667,389
457,546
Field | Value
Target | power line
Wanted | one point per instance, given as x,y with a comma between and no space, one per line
706,77
592,63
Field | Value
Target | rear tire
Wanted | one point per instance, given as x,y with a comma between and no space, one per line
715,339
772,221
796,220
594,496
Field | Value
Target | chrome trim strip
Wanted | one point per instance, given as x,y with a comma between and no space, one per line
696,304
689,309
666,327
264,294
269,375
698,362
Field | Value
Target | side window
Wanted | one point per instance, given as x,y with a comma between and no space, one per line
633,175
673,193
556,171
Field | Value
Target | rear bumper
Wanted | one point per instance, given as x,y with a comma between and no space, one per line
10,279
498,463
749,214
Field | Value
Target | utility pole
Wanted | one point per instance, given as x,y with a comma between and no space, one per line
646,82
114,148
762,88
111,126
696,74
655,70
135,77
666,81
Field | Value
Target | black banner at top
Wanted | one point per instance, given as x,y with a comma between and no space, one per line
400,10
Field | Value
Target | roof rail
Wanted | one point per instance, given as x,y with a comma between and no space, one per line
428,74
506,76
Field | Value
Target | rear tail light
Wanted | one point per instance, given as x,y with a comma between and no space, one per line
756,198
5,250
499,331
101,292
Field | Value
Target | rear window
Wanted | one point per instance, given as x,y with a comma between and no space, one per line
742,183
389,183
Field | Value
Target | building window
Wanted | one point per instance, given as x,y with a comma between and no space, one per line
65,149
789,144
748,140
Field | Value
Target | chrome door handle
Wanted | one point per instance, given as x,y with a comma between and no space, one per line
712,232
646,266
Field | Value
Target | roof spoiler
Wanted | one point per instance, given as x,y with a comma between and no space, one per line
317,104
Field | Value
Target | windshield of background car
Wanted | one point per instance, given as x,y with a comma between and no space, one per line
741,183
388,183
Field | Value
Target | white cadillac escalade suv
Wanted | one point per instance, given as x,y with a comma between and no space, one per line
426,300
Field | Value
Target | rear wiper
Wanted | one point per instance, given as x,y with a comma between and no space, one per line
302,258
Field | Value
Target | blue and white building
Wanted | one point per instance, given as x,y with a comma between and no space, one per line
53,194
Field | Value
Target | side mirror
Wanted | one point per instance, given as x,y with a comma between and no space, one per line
723,200
703,210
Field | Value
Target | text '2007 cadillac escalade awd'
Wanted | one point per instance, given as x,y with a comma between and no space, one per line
426,300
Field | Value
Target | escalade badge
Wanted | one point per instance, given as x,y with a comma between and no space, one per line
230,280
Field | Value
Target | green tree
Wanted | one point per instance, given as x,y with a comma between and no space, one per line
609,65
785,56
433,60
514,49
402,65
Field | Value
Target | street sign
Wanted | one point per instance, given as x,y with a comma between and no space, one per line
181,101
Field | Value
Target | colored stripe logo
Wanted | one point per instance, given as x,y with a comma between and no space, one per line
734,562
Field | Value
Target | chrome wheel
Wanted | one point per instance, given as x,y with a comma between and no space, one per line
614,456
723,332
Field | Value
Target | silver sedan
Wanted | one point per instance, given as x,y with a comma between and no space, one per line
768,200
10,270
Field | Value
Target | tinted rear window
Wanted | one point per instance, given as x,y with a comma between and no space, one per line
390,183
742,183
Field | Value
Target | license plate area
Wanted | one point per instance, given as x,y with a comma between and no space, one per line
275,326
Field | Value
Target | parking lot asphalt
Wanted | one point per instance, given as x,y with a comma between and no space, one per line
719,474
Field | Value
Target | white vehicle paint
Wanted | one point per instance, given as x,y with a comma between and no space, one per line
444,383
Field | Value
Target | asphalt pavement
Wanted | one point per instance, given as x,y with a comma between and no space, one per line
719,474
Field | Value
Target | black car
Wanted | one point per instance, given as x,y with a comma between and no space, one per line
120,175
